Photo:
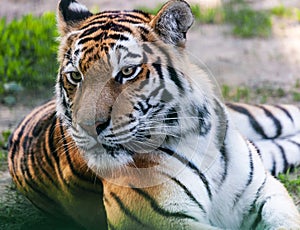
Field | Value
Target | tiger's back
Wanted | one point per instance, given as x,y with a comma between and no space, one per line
47,168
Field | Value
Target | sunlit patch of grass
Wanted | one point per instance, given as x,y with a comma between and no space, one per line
296,96
281,11
262,94
207,15
248,22
292,183
3,148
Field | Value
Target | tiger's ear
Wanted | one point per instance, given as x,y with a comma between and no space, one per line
173,21
69,14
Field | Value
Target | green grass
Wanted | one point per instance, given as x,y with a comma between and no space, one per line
281,11
204,15
296,96
236,94
28,51
207,15
292,183
297,84
264,93
261,94
247,22
17,213
3,148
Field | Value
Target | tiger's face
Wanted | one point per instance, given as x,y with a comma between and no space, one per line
121,87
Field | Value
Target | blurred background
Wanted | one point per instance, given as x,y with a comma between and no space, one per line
250,48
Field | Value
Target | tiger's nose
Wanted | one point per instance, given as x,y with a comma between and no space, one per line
100,126
94,128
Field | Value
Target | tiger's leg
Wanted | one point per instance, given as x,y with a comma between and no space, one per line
140,208
275,207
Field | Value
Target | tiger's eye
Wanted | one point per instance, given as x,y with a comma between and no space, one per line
76,76
127,71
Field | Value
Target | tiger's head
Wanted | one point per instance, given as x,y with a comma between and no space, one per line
124,85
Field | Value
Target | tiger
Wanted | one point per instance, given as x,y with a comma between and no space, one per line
137,138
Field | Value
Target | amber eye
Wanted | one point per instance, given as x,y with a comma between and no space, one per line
128,71
75,76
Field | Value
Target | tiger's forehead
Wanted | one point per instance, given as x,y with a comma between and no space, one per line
99,34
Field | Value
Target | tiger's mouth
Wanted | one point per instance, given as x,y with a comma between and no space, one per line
133,146
116,149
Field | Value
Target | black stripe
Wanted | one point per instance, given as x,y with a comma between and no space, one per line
147,49
287,113
172,116
283,156
144,30
53,148
155,206
118,37
144,38
37,165
131,55
37,129
93,23
89,31
66,152
126,211
157,67
184,161
256,126
294,142
203,119
257,149
258,218
251,166
104,36
222,123
274,119
273,170
250,179
156,91
47,153
145,82
224,158
30,182
15,146
128,20
257,195
187,192
174,77
172,72
116,14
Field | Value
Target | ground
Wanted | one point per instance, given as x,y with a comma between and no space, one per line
255,62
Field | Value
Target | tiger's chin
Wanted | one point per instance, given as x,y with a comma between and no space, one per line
119,163
104,160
